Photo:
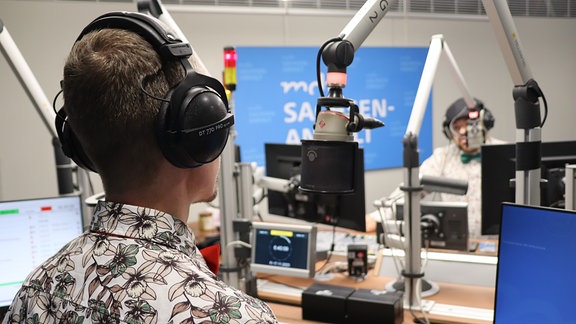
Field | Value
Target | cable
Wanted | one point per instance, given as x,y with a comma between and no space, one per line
330,252
334,265
242,243
545,110
265,195
319,55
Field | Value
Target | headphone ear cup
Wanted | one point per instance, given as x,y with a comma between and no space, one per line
179,125
206,108
167,140
446,129
488,119
69,142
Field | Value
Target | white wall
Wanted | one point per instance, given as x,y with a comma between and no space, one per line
44,32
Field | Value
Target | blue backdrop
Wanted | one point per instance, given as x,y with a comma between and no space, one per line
276,94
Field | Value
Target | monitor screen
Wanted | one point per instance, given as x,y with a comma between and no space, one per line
284,249
32,231
499,167
444,224
535,265
346,210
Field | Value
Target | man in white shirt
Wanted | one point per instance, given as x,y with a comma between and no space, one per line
457,160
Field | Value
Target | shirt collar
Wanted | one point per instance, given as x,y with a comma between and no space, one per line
140,223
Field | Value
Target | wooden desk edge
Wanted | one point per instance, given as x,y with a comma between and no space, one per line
449,294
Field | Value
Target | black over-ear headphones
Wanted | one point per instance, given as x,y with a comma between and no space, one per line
459,109
194,120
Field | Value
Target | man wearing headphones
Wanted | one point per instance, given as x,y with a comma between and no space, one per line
137,113
467,129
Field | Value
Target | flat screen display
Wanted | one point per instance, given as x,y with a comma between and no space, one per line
535,273
31,231
499,169
284,249
343,210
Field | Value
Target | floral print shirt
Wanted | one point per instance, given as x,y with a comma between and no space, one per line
134,265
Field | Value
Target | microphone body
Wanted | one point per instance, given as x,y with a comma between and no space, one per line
474,133
329,159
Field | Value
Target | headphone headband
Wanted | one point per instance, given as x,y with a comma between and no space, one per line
459,109
163,41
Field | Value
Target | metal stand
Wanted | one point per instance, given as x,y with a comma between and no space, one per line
526,95
570,191
412,188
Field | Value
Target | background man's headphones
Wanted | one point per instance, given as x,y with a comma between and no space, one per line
459,109
194,120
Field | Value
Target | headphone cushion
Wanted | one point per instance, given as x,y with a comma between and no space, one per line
176,125
72,148
488,119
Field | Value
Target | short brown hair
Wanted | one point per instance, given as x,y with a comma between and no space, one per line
106,107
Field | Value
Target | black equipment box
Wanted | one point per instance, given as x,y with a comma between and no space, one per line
375,306
325,303
337,304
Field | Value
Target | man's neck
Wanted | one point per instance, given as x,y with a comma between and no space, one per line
167,193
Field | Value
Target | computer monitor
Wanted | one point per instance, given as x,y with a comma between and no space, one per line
346,210
535,265
32,230
284,249
444,224
499,168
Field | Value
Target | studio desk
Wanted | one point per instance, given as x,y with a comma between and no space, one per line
453,303
465,282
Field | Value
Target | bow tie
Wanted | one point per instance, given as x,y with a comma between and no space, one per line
466,158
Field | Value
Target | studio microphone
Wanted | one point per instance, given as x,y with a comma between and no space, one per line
475,130
330,158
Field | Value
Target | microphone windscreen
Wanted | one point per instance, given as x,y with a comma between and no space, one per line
328,166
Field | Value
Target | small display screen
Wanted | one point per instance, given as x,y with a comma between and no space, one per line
282,248
31,231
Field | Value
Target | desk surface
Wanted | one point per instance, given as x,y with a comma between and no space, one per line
461,297
452,298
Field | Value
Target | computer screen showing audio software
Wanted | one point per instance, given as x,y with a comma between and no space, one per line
31,231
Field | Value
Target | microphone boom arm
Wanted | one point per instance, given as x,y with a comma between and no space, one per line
340,53
411,162
526,94
364,21
64,166
27,79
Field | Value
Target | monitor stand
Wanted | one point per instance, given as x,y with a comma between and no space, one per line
428,288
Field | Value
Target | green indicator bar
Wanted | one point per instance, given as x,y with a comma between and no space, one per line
11,283
9,211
